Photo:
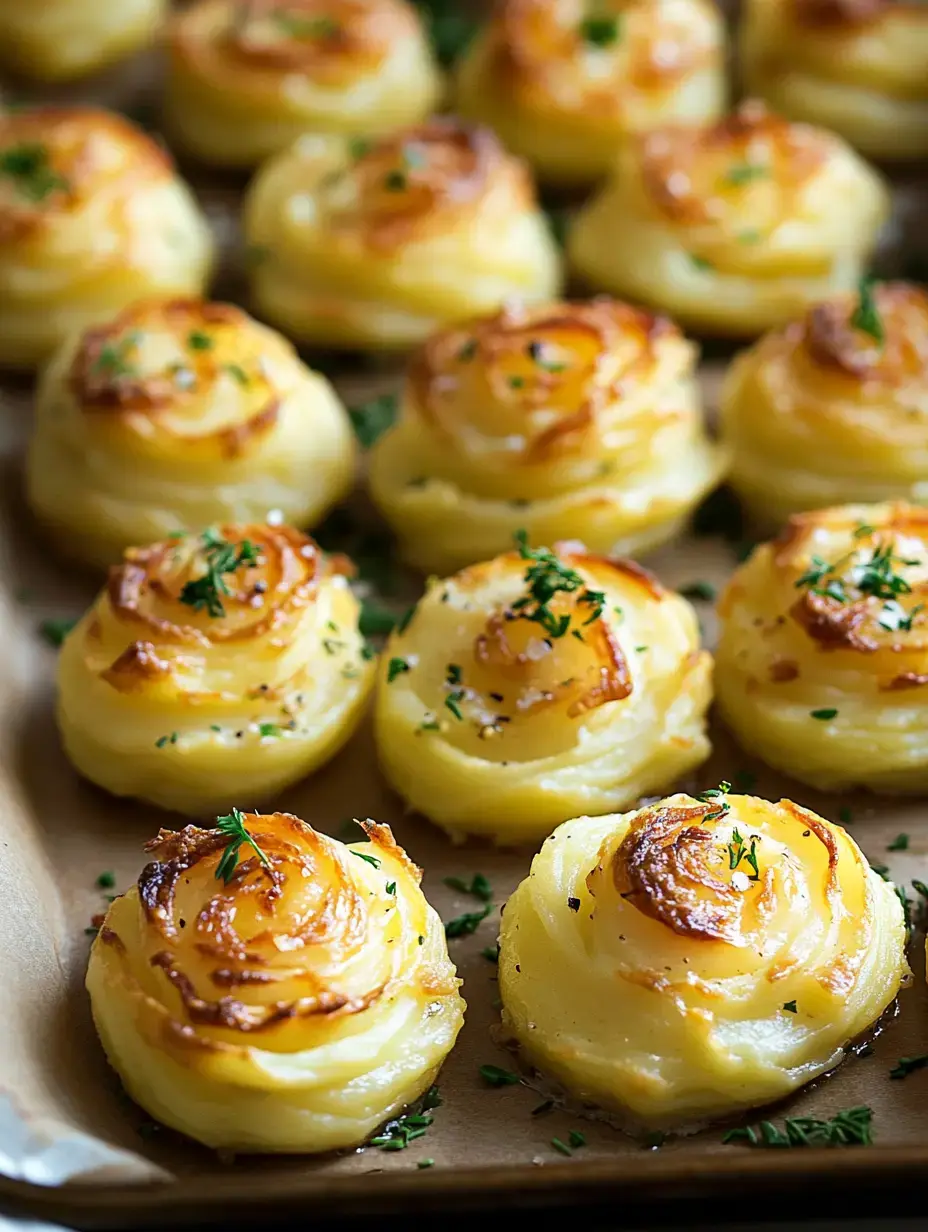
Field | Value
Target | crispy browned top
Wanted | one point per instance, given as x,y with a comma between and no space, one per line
832,340
556,367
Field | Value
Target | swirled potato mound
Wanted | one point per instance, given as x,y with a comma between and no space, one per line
92,218
225,664
858,68
176,415
538,685
246,79
697,957
823,656
565,87
830,409
57,40
734,228
574,421
274,992
378,244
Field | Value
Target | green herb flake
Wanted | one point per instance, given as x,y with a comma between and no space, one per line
425,1163
372,419
391,888
908,1065
56,629
493,1076
866,316
899,843
790,1007
269,729
221,557
745,173
28,166
561,1146
233,828
199,341
700,263
698,590
464,925
478,886
106,880
825,715
600,31
490,953
396,667
372,860
238,373
452,703
851,1127
576,1139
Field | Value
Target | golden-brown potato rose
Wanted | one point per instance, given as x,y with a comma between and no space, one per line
734,228
697,957
823,656
176,415
540,685
859,67
92,217
830,409
227,664
56,40
377,245
564,85
574,421
287,994
247,78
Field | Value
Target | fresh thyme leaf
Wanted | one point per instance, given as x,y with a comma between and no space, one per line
395,668
28,166
738,851
496,1077
600,31
899,843
908,1065
452,702
478,886
464,925
866,316
453,673
372,860
851,1127
371,419
221,558
233,827
56,629
825,715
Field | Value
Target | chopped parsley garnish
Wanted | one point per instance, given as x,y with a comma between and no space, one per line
198,341
27,165
899,843
397,1134
715,796
464,925
600,31
395,668
790,1007
866,316
908,1065
233,827
391,888
545,577
453,675
698,590
112,357
738,851
371,419
452,703
496,1077
106,880
477,887
372,860
744,173
851,1127
222,557
490,953
56,629
269,729
163,741
824,715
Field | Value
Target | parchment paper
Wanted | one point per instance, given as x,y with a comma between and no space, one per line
63,1117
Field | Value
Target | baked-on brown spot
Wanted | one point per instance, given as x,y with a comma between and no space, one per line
137,664
906,680
834,342
851,15
466,366
783,670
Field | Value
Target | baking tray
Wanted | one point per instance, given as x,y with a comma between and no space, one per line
72,1147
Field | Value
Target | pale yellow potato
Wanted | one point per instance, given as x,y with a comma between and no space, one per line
824,412
92,217
58,40
246,79
190,704
574,421
496,720
822,660
176,415
860,69
734,228
294,1007
378,244
566,86
648,976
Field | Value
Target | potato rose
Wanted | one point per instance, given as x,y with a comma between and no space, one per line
176,415
92,217
226,664
537,685
57,40
565,87
829,409
735,228
697,957
246,79
575,421
376,245
267,988
860,68
823,654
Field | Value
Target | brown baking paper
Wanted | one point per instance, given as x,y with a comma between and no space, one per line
63,1117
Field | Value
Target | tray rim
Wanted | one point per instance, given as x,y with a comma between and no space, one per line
647,1184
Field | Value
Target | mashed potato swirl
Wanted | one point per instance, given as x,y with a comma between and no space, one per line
227,664
823,655
824,412
574,421
697,957
500,712
176,415
246,79
733,228
293,1005
377,244
565,87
